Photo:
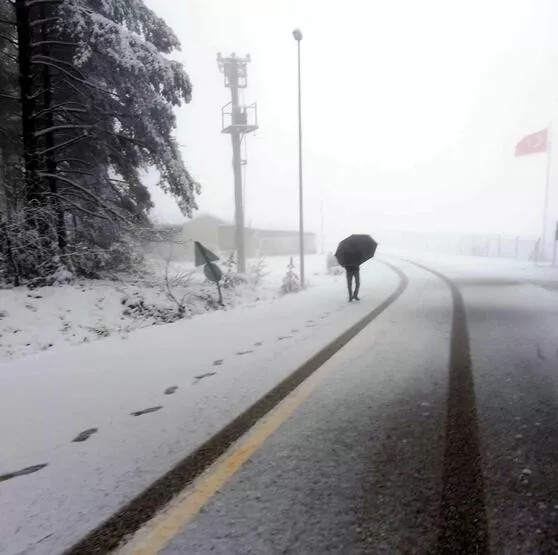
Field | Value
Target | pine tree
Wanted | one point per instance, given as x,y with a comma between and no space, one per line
291,281
97,94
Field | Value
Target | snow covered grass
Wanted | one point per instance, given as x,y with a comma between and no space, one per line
48,318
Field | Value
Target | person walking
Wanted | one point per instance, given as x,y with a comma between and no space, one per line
353,273
351,253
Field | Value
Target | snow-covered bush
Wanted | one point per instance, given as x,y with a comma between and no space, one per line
28,253
291,281
95,262
177,284
258,272
31,255
231,277
137,308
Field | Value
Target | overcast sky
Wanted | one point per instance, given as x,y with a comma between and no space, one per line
411,110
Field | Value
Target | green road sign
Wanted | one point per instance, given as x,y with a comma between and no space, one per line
212,272
203,255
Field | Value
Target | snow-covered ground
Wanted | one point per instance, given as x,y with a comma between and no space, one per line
51,318
544,275
144,403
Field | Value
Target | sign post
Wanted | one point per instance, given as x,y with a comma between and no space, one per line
204,257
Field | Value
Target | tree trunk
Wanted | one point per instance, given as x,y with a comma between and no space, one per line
24,39
51,165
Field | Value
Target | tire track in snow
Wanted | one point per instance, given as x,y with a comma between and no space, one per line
143,507
463,520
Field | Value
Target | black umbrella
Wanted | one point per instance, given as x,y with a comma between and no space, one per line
355,250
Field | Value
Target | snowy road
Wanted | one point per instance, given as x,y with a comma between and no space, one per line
394,449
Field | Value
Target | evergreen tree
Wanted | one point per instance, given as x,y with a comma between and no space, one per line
97,92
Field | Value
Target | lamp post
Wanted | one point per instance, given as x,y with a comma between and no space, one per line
297,34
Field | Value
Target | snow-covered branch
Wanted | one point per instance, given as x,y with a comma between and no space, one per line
9,96
32,3
42,21
61,145
53,42
9,39
89,194
46,60
47,130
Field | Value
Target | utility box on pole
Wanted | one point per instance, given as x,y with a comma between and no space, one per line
237,121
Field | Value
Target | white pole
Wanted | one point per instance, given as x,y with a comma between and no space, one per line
298,37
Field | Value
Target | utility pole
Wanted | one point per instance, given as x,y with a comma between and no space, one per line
235,122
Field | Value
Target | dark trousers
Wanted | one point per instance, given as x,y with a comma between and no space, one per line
353,272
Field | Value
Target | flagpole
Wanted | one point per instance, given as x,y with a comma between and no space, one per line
546,189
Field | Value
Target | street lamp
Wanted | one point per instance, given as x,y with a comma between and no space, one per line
297,34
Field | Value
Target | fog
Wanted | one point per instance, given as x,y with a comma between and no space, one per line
411,111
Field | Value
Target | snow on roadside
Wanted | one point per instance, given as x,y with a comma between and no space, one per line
150,400
541,274
53,317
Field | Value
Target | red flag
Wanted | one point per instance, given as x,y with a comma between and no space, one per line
531,144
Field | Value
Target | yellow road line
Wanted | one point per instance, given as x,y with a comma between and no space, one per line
157,533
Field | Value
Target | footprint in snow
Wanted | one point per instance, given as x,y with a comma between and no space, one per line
283,337
258,344
83,436
22,472
202,376
240,353
146,411
170,390
218,362
540,354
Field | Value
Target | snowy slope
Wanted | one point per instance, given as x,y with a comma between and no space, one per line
51,318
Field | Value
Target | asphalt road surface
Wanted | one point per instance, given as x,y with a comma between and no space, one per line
434,430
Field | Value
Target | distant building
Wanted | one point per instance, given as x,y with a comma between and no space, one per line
219,235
